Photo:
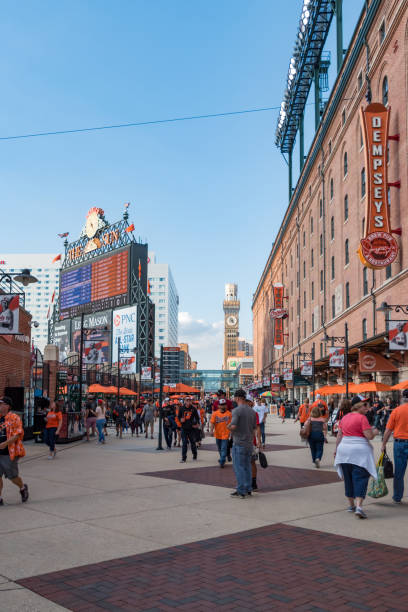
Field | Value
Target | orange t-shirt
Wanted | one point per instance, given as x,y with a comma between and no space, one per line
323,406
202,415
398,422
221,420
304,412
282,410
54,419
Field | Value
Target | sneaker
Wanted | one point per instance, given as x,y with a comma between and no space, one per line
50,457
222,465
351,509
24,493
1,502
237,495
317,463
359,512
229,458
183,461
194,458
396,501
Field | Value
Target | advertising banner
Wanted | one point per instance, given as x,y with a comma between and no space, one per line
62,336
157,377
398,335
369,361
336,357
124,326
9,313
146,373
306,368
96,338
275,380
378,248
278,314
128,364
287,374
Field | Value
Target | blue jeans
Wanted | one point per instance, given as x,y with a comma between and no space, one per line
316,443
49,438
241,457
222,446
355,480
400,465
99,426
262,427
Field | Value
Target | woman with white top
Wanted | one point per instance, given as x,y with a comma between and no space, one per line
354,457
100,411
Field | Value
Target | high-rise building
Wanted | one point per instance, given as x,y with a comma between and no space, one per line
185,359
231,307
38,296
246,347
171,365
163,293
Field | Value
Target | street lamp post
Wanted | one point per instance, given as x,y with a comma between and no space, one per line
160,445
387,308
342,340
310,356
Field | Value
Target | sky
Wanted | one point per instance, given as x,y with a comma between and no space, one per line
207,195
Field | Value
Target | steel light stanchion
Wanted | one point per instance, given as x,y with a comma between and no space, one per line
342,340
118,370
159,445
81,354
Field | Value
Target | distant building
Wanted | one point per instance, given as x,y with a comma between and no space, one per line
210,381
231,307
163,293
246,347
38,296
171,365
185,359
194,365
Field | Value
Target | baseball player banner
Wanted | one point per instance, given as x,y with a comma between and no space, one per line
9,313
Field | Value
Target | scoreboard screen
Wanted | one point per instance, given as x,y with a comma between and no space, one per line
95,285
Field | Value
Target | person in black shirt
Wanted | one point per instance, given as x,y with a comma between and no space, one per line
189,421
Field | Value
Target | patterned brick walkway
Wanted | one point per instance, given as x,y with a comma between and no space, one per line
269,447
278,567
274,478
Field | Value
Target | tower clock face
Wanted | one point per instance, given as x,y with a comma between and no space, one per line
231,321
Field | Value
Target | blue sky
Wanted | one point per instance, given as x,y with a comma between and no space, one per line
207,195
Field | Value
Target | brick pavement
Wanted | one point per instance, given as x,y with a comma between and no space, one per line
268,447
274,478
278,567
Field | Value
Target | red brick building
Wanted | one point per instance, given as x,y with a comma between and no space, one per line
315,252
15,359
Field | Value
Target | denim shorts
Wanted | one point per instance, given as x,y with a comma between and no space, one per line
8,468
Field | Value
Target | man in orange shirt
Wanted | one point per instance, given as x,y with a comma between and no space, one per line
324,411
304,413
11,447
398,424
220,419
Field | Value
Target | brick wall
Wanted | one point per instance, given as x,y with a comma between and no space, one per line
15,356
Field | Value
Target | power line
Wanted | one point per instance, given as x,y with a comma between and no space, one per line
140,123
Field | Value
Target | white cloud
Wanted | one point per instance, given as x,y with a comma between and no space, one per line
205,340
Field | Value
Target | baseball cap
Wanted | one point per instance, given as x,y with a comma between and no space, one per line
221,392
222,401
7,400
358,399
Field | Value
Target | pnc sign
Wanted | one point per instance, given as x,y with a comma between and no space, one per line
378,248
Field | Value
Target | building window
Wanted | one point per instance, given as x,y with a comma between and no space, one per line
347,295
321,280
333,305
364,329
332,228
363,182
346,252
304,299
321,208
304,238
298,334
298,307
297,279
346,211
385,91
311,224
304,269
332,268
381,32
322,314
360,81
362,226
321,349
343,117
291,260
365,281
313,323
304,329
312,290
331,189
345,164
329,147
321,244
361,138
312,258
291,287
388,272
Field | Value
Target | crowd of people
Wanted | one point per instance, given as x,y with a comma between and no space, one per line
238,428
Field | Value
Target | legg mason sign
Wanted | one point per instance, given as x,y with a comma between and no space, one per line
378,248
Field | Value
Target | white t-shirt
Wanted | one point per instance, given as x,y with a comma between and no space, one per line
261,410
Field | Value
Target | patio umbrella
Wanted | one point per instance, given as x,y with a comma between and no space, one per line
371,387
124,391
96,388
268,393
400,386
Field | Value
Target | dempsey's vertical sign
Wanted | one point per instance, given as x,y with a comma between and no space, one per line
278,313
377,248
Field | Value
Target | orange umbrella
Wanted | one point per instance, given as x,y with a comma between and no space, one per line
371,387
124,391
337,389
96,388
402,385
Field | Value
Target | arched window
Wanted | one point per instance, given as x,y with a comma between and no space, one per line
321,209
347,295
385,91
346,210
333,301
311,225
332,228
363,182
345,164
365,281
333,269
321,244
312,258
346,252
304,238
364,329
331,189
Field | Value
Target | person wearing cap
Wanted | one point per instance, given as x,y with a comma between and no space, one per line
53,423
189,420
354,457
243,427
324,410
222,395
303,413
220,419
398,425
11,447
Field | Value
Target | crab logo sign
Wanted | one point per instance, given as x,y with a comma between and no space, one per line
377,248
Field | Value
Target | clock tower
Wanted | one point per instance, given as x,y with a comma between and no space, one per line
231,322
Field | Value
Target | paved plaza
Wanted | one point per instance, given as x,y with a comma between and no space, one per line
125,527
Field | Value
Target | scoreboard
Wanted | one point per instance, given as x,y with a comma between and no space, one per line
99,284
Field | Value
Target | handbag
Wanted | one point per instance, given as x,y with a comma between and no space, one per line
263,462
378,487
388,467
306,429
